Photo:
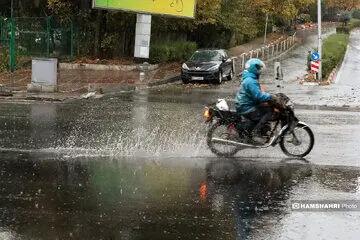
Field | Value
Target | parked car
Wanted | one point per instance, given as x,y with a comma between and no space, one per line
208,65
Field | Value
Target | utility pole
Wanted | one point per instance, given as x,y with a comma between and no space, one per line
266,26
12,39
12,45
320,40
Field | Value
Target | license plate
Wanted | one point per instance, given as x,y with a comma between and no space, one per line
197,78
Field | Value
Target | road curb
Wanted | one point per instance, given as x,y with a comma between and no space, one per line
103,67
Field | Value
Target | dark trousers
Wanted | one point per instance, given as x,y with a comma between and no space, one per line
260,116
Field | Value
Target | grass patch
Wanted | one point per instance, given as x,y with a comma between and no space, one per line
354,23
334,48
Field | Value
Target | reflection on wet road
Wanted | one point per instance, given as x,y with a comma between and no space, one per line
106,198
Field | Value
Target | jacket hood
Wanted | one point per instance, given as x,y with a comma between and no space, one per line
253,65
248,74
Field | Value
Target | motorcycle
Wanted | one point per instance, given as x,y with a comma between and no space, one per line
230,132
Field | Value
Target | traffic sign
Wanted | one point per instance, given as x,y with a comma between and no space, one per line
315,56
315,66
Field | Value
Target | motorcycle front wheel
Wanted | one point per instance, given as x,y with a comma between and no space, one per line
222,131
298,143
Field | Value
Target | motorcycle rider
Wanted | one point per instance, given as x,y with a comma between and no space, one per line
250,98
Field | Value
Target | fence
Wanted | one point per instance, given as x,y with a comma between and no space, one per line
24,38
265,53
6,40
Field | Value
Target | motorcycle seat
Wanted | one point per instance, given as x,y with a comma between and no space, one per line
233,115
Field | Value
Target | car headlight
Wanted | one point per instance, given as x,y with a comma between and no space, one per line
213,68
185,67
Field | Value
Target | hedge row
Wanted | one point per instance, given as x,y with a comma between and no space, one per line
172,52
354,23
356,13
334,48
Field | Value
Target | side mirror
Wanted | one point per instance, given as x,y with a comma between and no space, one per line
223,59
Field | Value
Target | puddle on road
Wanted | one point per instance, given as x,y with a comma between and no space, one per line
64,176
114,127
107,198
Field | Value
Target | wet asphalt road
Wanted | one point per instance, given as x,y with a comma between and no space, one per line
135,166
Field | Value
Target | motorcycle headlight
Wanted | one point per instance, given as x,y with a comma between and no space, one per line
214,68
185,67
290,105
207,114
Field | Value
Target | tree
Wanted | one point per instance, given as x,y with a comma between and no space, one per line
343,4
286,10
64,10
207,11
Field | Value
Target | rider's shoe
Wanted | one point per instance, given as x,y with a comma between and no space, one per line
258,139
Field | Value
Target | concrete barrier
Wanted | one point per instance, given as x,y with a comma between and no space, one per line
103,67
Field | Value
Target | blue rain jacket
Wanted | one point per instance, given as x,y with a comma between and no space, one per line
250,95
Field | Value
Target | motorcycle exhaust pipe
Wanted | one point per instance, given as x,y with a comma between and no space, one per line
233,143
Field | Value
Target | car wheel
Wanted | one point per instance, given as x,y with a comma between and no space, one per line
231,75
219,78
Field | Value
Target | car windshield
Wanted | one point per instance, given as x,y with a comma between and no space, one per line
206,56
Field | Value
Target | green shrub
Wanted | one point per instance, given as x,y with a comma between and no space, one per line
345,18
354,23
304,18
110,44
334,49
189,50
356,14
172,51
345,30
159,53
4,60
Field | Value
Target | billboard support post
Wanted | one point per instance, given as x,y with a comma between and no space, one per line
142,36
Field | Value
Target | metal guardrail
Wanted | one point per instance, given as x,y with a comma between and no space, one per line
265,53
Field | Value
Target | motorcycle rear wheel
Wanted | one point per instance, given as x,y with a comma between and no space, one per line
286,139
220,130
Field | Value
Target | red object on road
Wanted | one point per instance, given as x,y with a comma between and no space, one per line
315,66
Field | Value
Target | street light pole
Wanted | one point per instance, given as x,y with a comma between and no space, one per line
320,40
12,40
266,26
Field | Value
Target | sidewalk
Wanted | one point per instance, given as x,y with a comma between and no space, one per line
273,38
256,43
75,83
